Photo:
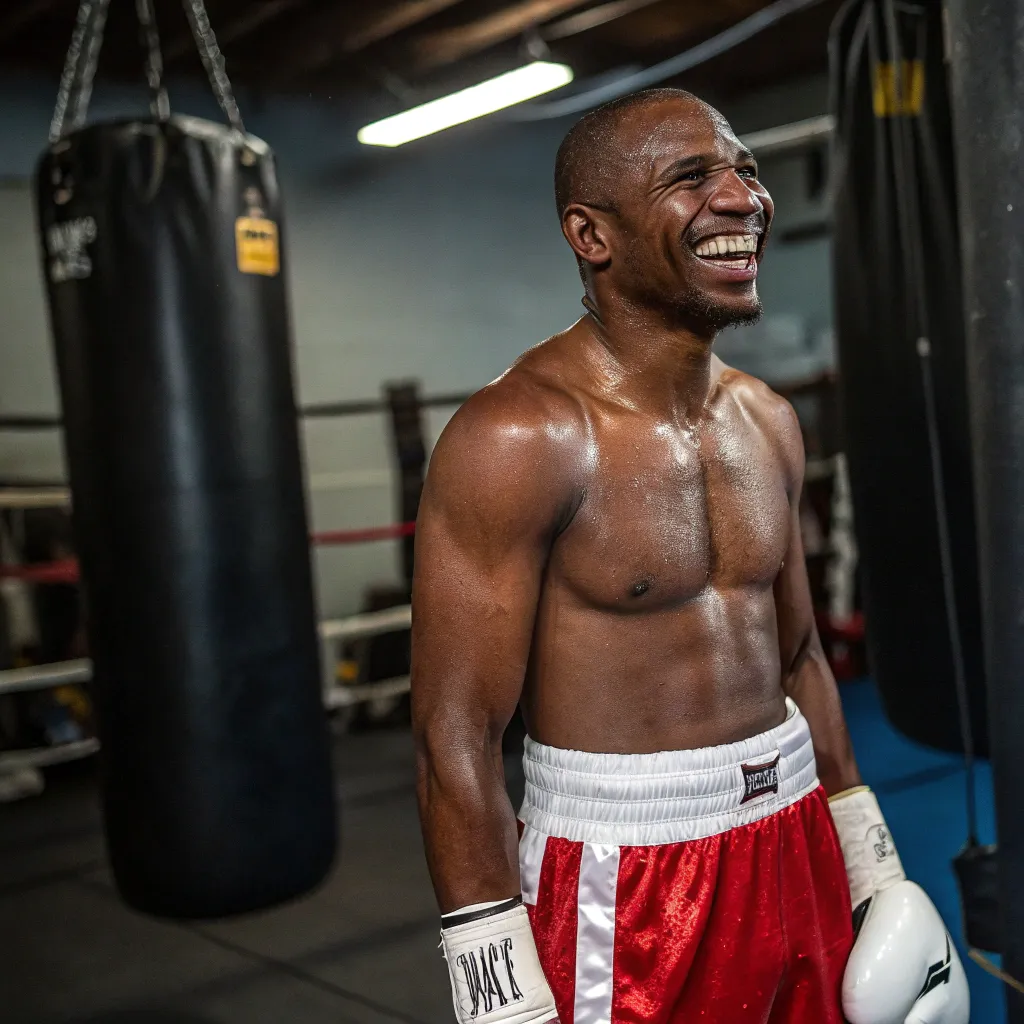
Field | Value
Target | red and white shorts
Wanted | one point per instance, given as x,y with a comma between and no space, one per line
686,886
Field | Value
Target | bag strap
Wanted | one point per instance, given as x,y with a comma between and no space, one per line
213,61
83,55
79,71
149,35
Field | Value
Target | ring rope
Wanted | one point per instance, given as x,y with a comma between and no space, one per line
364,624
65,571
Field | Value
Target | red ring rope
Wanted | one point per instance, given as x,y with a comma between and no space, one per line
66,570
332,537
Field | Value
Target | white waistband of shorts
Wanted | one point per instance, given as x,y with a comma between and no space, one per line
672,796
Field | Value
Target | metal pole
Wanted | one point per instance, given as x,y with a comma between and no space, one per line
986,49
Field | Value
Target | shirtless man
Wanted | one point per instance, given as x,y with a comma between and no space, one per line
609,537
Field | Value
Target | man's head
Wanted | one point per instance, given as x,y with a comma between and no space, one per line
661,204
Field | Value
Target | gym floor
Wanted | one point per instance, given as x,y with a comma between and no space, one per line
362,950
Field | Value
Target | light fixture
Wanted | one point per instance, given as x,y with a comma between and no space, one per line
485,98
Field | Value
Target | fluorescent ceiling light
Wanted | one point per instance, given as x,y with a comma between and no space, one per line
495,94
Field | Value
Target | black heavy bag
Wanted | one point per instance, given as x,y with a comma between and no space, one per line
897,279
163,263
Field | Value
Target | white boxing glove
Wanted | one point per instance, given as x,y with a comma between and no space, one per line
904,967
493,966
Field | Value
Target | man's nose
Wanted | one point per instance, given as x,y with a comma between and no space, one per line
734,197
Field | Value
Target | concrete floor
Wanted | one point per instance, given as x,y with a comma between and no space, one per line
361,950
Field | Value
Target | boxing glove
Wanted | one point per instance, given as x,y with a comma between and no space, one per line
493,966
904,967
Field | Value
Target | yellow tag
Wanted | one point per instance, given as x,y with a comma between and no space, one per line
348,671
888,100
257,246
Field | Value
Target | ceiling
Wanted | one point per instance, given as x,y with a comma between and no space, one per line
417,49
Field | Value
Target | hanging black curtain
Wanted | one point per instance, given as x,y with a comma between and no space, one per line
897,280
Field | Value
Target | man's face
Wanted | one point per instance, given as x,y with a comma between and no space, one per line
692,219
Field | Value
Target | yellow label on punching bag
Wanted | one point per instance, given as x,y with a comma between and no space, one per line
257,246
891,96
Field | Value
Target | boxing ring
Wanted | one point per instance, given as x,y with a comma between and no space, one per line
402,404
337,696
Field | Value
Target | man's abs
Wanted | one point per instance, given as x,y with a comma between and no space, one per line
674,678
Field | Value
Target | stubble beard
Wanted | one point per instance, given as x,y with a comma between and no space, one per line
700,312
693,309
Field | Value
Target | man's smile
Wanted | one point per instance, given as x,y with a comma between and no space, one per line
733,254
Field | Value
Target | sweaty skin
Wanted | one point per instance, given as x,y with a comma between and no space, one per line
609,532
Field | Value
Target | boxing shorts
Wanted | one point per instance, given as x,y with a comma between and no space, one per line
686,886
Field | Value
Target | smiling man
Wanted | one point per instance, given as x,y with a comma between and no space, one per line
609,537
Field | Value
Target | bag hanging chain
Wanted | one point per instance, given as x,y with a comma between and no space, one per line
79,68
213,61
83,55
70,72
149,36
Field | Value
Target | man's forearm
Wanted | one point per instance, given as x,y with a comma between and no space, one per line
813,687
469,828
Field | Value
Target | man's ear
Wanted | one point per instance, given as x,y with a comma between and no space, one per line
588,231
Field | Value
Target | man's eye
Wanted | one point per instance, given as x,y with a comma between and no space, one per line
692,176
748,172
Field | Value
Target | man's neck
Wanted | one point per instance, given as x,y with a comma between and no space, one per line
661,363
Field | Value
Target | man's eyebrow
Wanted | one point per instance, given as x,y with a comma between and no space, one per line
682,165
695,162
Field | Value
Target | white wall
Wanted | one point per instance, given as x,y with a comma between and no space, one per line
440,262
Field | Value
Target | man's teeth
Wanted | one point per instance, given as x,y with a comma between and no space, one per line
726,245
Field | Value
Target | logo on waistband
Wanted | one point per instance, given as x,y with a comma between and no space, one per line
759,779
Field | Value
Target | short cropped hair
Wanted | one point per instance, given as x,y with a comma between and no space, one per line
586,166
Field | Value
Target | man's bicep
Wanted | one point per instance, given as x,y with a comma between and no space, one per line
479,563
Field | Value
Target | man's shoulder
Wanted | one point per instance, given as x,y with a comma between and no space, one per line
756,398
529,413
772,413
532,397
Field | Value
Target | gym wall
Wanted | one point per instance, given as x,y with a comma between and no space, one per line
439,263
794,339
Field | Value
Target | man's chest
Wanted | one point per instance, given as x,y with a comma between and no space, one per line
667,513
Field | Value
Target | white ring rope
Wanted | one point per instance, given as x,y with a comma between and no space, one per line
63,673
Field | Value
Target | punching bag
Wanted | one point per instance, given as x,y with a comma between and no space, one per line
165,274
897,281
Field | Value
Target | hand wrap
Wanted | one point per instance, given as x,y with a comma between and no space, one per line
493,964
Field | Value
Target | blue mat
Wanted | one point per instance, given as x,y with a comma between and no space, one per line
921,793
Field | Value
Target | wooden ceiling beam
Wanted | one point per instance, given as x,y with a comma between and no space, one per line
402,16
447,46
576,24
322,43
258,15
